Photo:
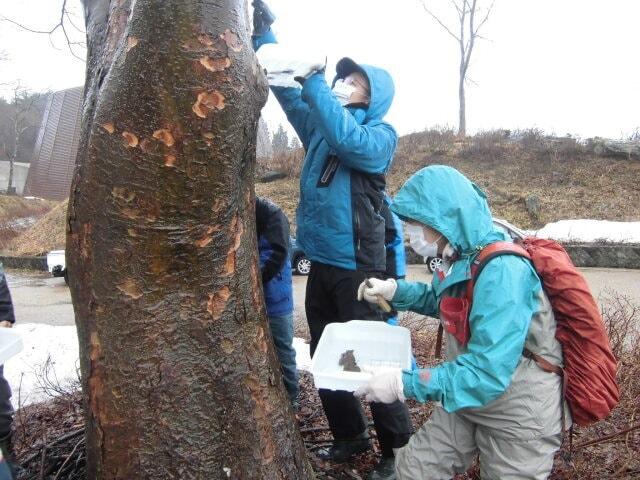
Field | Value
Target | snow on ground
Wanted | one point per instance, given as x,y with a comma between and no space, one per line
591,231
303,357
57,347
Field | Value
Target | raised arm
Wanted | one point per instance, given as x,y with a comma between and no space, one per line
368,148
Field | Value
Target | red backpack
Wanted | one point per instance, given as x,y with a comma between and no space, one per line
589,374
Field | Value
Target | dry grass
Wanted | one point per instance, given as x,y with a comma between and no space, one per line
47,234
568,181
16,215
13,207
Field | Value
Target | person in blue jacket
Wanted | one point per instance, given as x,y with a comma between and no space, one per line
492,400
349,148
272,227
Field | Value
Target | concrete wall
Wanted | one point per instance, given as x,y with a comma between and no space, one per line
20,173
607,255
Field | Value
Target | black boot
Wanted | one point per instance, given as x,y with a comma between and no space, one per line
385,470
343,449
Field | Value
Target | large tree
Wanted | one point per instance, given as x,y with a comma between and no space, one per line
179,374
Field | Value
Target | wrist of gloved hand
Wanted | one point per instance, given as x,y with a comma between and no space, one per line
385,387
306,74
372,287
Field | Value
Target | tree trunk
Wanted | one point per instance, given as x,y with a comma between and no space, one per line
462,116
179,375
14,154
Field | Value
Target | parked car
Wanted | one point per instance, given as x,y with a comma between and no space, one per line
57,265
299,261
434,263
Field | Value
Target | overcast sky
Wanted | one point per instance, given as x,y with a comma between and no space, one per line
567,66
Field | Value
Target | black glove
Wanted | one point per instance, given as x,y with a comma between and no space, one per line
262,17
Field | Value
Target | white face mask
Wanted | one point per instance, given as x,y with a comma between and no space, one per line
343,91
419,244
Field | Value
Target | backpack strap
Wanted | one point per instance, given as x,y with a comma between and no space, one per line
484,256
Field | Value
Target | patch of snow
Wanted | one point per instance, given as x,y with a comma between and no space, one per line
59,346
585,230
42,343
303,357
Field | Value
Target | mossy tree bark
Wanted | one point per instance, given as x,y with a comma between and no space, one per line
178,370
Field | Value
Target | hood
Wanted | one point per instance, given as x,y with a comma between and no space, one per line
444,199
380,81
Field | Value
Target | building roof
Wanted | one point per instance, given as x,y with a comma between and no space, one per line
54,155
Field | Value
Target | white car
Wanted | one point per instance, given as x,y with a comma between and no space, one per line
57,265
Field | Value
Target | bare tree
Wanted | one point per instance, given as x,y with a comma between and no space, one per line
20,122
179,374
468,31
65,25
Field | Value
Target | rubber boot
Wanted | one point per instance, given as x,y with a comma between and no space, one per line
385,470
343,449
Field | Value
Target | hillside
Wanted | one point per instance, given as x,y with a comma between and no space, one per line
530,181
46,234
18,214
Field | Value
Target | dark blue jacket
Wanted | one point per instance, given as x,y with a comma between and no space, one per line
348,152
272,228
6,305
394,243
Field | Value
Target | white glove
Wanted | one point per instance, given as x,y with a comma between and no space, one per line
385,288
385,387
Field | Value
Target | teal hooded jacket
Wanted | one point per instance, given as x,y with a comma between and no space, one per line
506,294
342,182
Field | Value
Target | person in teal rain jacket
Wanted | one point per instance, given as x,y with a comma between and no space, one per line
340,222
491,400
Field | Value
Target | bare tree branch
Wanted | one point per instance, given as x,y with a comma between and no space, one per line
60,25
424,5
484,20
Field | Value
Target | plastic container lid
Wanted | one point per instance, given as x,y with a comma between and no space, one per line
10,344
376,347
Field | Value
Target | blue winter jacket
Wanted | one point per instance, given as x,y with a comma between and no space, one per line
348,152
272,228
506,294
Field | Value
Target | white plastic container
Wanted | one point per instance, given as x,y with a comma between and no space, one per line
10,344
376,346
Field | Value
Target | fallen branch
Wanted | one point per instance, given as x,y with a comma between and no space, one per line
68,458
60,439
607,437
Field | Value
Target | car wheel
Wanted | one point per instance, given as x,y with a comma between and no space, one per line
303,265
434,263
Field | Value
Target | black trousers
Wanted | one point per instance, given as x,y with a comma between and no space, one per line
331,297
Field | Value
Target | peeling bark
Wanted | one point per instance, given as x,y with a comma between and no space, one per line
179,373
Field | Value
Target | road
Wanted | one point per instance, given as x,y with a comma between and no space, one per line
38,298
